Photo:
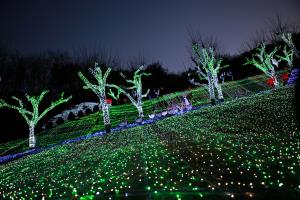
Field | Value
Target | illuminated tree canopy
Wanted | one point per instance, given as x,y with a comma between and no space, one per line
287,38
34,116
208,67
99,90
136,98
264,61
288,56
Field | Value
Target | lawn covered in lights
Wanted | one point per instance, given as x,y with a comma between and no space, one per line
118,113
244,148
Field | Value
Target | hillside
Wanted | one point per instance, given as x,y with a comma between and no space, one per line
245,148
119,113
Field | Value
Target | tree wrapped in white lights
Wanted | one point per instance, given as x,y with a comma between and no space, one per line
34,116
288,56
99,90
136,98
208,66
209,85
265,61
287,38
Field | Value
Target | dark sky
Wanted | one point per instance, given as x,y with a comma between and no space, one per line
155,28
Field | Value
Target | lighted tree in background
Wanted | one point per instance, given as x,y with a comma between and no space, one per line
34,116
203,76
287,38
208,67
265,62
99,90
288,56
136,88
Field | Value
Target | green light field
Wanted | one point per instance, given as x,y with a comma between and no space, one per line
245,148
118,113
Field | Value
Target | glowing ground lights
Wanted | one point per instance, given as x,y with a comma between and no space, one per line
90,124
244,148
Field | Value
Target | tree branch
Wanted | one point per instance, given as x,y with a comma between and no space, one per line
87,83
54,104
146,94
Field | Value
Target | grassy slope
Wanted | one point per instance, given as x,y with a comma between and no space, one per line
94,122
244,147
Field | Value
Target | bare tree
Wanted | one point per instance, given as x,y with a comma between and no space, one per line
196,37
277,26
136,61
255,41
87,56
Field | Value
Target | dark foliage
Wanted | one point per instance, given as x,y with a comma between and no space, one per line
59,121
71,116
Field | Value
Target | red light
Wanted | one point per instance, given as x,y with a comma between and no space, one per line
109,101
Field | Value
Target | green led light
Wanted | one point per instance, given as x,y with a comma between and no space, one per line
265,62
230,147
34,116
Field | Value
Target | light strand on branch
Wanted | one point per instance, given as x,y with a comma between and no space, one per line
264,62
136,86
99,90
287,38
207,69
288,56
34,116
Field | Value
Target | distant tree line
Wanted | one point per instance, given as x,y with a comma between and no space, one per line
57,71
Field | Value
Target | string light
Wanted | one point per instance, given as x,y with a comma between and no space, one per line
99,90
208,67
287,38
265,62
33,117
196,159
137,87
73,131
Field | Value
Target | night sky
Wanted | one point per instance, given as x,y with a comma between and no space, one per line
157,28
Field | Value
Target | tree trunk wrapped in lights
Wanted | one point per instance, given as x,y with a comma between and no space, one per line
99,90
208,66
287,38
209,85
218,86
137,87
33,117
211,89
265,62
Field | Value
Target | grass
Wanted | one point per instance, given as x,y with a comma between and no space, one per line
93,122
244,148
